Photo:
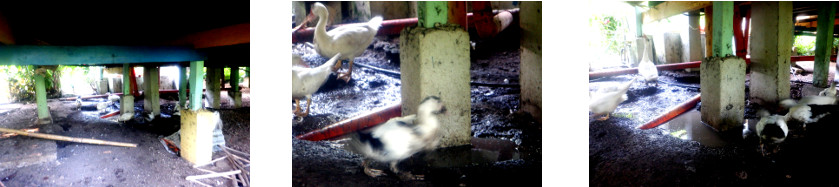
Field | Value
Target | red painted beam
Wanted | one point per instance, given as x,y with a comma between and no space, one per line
683,65
109,115
347,126
672,113
133,80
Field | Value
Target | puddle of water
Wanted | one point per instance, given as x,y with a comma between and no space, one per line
689,126
483,150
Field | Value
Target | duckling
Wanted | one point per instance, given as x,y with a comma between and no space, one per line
646,68
608,99
830,91
399,138
306,81
349,40
113,97
772,128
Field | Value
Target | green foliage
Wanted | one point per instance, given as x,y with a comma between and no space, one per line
241,74
611,29
22,82
805,45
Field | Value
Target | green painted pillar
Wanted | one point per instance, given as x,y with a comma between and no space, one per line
234,85
182,86
432,12
196,84
824,43
723,22
234,78
41,98
126,79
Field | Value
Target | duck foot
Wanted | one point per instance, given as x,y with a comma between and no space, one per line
604,118
345,76
369,171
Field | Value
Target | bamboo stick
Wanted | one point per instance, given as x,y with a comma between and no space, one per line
244,175
208,163
211,175
236,151
211,171
199,182
69,139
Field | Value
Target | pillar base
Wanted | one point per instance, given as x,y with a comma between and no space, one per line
435,62
126,104
197,135
723,92
44,121
237,98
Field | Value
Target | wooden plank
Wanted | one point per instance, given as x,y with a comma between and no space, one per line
93,55
230,35
670,8
723,22
824,43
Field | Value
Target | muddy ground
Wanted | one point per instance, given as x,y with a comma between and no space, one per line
622,155
148,164
515,138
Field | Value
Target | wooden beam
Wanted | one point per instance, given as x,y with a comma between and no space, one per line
5,32
94,55
670,8
230,35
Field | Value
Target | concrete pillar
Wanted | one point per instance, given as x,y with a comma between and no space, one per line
214,76
770,51
298,8
672,47
127,100
824,43
530,76
41,98
393,9
182,86
723,91
103,83
696,52
151,75
196,84
360,10
723,22
197,135
435,62
234,85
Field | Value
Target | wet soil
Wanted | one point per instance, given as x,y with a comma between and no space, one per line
495,117
686,152
148,164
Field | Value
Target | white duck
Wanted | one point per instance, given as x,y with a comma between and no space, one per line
349,40
306,81
830,91
605,102
801,111
399,138
646,68
772,127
